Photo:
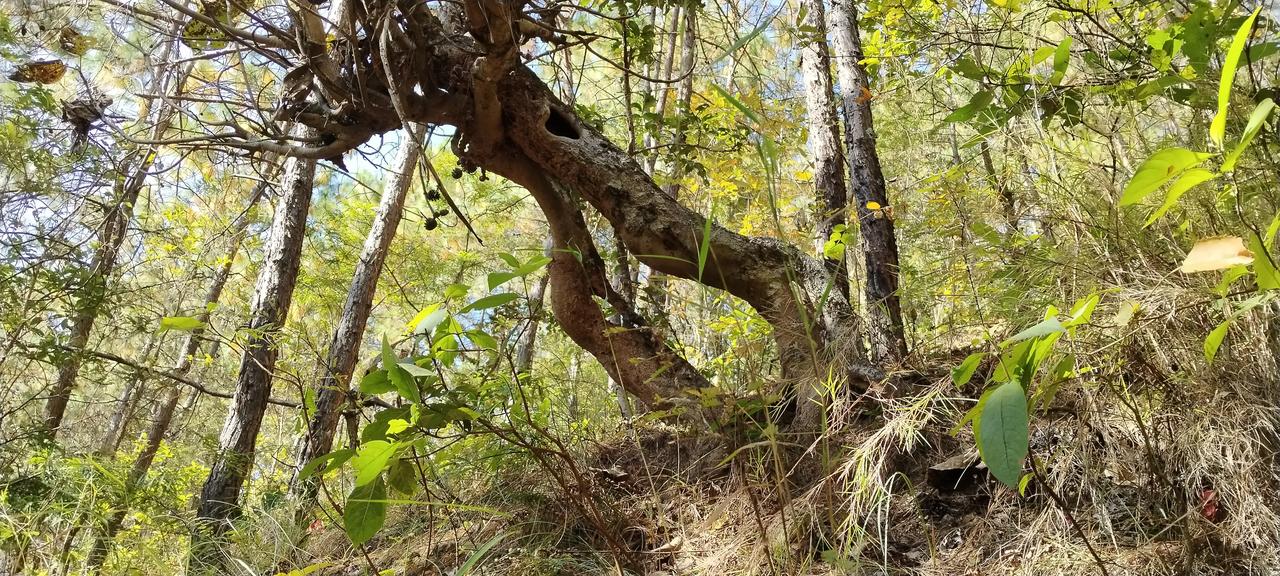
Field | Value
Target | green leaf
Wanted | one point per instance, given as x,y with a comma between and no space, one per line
329,462
1024,482
492,301
1003,438
1044,328
1214,340
1218,128
511,261
456,291
968,68
977,103
404,383
1061,60
376,382
388,355
533,265
415,370
1160,168
1229,277
1256,119
401,477
370,459
497,279
962,373
180,323
748,38
737,104
482,339
1185,182
479,554
1267,275
1082,311
366,511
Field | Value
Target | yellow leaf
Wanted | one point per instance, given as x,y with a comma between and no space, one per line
804,176
873,205
1216,254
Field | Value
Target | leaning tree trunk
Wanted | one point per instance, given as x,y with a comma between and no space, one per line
824,141
119,213
344,348
219,502
879,246
162,417
509,123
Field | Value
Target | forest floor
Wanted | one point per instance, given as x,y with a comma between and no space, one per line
656,500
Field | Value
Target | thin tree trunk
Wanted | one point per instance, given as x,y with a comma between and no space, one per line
126,403
1008,204
879,246
684,96
110,238
344,348
162,417
824,140
525,348
220,497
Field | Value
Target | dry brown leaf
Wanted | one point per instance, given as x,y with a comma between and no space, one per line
1216,254
42,72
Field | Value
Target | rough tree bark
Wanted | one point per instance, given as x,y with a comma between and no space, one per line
219,500
879,246
824,140
162,417
508,122
344,347
119,213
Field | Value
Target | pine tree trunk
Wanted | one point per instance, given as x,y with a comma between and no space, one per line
879,246
219,502
162,417
824,141
344,348
110,238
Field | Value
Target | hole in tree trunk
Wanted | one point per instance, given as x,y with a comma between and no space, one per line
560,125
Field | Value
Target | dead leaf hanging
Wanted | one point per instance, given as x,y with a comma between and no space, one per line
1216,254
40,72
72,41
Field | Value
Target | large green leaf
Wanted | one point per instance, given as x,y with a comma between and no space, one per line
1188,180
963,372
1061,60
492,301
1160,168
1044,328
1003,439
180,323
1267,275
1214,340
366,511
376,382
370,460
329,462
1218,128
402,478
977,103
1256,119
